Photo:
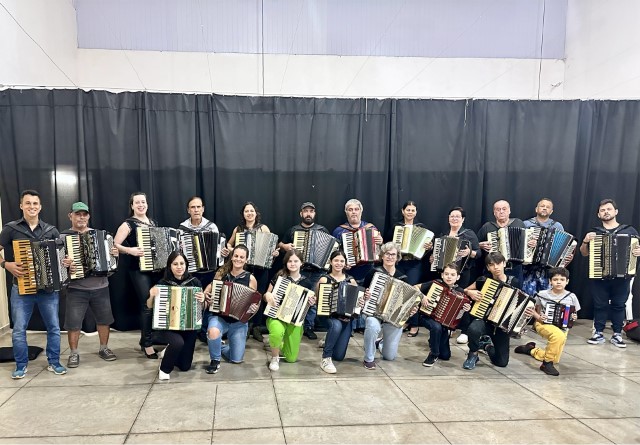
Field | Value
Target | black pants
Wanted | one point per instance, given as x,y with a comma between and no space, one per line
499,353
179,352
142,282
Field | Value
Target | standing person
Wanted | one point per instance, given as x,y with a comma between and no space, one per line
609,295
180,344
30,227
313,273
339,332
391,334
283,336
501,212
126,242
233,271
88,292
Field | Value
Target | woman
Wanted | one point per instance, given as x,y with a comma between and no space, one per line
233,271
339,330
180,344
126,243
285,336
409,265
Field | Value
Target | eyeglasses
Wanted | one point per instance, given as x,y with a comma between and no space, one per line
390,254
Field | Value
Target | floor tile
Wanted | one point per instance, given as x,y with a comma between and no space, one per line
102,439
606,356
617,430
199,437
364,434
246,405
255,435
6,393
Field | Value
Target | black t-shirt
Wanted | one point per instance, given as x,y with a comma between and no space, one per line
19,229
367,280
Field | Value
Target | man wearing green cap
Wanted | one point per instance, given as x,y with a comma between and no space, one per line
90,291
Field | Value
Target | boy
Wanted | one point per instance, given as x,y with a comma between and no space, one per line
555,336
438,334
483,335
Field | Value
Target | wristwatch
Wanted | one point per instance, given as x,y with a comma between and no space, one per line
2,263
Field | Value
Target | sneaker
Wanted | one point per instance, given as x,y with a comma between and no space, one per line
525,349
213,367
462,339
430,360
308,332
484,343
597,339
380,344
73,361
321,343
471,361
328,366
57,368
163,375
161,354
369,365
616,340
19,373
108,355
274,365
549,369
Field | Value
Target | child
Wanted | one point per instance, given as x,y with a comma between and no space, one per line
438,334
555,336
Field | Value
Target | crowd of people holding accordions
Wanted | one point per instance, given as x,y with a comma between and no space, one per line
192,282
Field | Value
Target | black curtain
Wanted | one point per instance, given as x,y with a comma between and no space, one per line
100,147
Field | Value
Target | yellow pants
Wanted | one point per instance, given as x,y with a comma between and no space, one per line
556,338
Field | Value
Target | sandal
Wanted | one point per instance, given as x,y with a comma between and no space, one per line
413,334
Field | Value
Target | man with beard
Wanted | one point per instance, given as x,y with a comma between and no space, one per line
609,295
311,272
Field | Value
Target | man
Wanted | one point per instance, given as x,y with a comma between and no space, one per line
609,295
535,277
32,228
311,272
501,212
90,291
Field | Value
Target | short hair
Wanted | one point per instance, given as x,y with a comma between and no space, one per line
386,247
353,201
608,201
545,199
498,200
459,209
29,192
558,271
453,266
494,258
194,197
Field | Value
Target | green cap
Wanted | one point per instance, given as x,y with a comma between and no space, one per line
79,207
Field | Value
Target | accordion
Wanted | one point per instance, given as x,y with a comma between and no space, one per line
316,247
157,244
342,299
445,305
42,263
552,249
391,299
376,289
261,246
412,239
203,250
445,251
511,242
234,300
292,302
559,314
175,308
503,306
359,246
91,253
610,256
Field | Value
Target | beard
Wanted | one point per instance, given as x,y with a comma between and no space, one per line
308,220
607,218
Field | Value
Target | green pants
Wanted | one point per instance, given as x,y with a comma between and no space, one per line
286,337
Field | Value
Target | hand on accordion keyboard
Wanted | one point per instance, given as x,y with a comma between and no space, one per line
268,297
136,251
475,295
68,262
367,294
14,269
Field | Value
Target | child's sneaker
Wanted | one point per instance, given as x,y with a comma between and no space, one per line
328,366
617,341
430,360
549,369
19,373
597,339
275,364
525,349
471,361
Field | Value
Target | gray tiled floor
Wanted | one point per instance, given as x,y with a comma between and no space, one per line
595,400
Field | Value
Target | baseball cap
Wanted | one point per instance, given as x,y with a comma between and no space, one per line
307,204
79,207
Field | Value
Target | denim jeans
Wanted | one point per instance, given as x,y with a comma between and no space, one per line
313,276
609,299
21,311
337,339
438,338
236,340
391,336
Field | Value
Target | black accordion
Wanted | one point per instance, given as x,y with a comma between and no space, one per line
553,247
175,308
511,242
42,263
91,254
342,299
559,314
234,300
261,246
203,250
360,247
445,251
157,244
610,256
444,305
391,300
291,302
503,306
411,239
316,247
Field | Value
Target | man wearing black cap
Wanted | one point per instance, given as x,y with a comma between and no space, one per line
312,273
90,291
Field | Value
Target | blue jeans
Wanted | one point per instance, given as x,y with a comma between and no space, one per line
438,338
236,340
391,336
337,339
609,299
313,276
21,311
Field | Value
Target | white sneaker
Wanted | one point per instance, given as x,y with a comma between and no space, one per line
275,363
163,375
327,366
462,339
161,354
616,340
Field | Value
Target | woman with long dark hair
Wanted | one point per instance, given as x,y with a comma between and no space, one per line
409,265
